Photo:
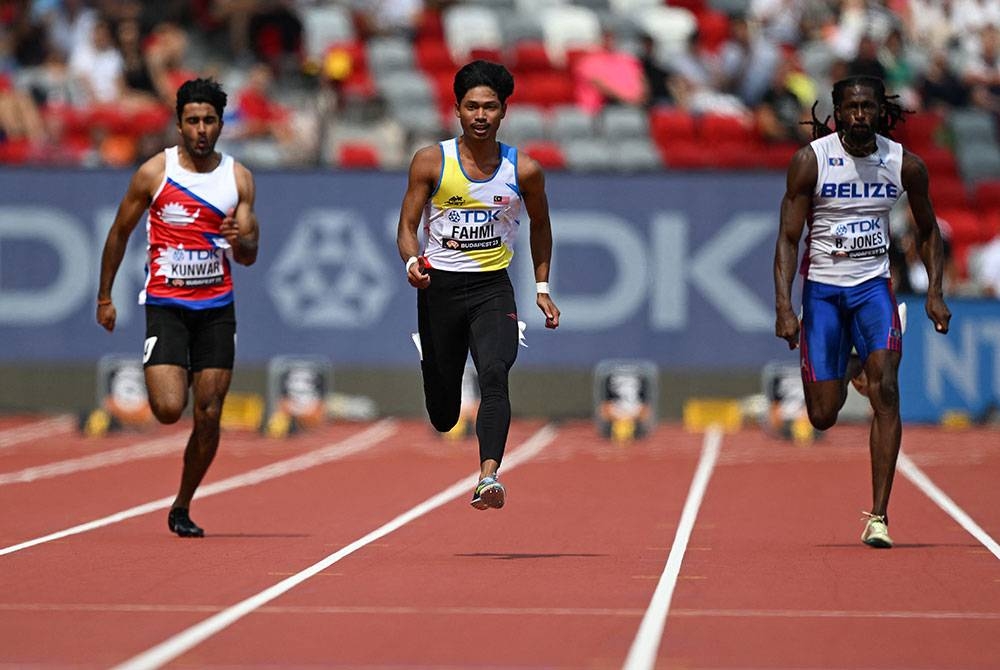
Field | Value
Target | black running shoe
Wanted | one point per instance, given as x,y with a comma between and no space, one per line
179,522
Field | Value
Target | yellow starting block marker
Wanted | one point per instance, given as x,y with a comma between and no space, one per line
243,411
700,413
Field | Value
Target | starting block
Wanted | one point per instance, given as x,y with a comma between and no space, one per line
122,401
702,413
626,395
786,415
243,411
470,405
296,393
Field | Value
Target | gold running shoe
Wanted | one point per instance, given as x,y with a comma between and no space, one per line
876,532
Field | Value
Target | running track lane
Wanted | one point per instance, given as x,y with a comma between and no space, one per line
776,575
541,552
143,468
571,559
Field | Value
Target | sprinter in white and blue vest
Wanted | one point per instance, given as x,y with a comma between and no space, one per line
468,194
843,186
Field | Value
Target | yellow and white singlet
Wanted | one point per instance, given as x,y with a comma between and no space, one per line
470,224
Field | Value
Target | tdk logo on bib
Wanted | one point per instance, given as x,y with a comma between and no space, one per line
474,216
859,190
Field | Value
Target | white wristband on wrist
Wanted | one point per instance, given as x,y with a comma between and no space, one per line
541,287
410,261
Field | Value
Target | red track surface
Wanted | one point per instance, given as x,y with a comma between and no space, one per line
773,576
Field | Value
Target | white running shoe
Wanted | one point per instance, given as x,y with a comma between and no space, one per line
876,533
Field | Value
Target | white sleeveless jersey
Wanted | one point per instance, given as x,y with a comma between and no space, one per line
848,238
469,224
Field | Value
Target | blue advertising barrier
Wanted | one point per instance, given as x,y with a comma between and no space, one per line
672,268
957,372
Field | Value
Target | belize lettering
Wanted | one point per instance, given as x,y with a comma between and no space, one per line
859,190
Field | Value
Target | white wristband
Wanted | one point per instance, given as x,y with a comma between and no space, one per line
410,261
541,287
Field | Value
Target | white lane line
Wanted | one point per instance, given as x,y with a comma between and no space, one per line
55,425
347,447
148,449
910,470
642,654
186,640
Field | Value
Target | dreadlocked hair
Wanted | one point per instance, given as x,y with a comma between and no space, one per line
893,111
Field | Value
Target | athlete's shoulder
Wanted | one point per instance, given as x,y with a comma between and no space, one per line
528,167
427,161
152,172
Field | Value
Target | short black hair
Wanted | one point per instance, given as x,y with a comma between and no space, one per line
484,73
201,90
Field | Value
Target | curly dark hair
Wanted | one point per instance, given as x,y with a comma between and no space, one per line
201,90
893,111
484,73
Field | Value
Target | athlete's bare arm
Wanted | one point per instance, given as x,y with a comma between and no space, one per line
140,191
240,228
795,205
916,184
425,169
531,180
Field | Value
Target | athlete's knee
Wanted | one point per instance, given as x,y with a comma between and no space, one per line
822,419
443,420
208,411
493,378
883,393
166,412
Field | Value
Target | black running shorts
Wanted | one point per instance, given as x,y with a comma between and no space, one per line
191,338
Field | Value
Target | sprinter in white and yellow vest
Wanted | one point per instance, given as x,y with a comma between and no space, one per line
470,195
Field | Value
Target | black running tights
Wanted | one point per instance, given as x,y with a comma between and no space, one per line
459,313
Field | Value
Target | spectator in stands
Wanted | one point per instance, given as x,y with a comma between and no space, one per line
939,87
166,51
984,267
909,276
982,70
20,119
388,17
780,113
900,68
98,66
866,61
138,78
609,75
657,77
693,84
747,61
257,114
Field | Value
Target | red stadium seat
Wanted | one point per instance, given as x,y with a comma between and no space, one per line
358,155
433,56
948,192
988,194
683,154
920,131
530,56
967,226
723,127
548,154
940,162
668,125
545,89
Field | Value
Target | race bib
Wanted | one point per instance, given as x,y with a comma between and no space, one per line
191,267
861,239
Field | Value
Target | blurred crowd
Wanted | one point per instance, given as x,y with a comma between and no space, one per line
362,83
